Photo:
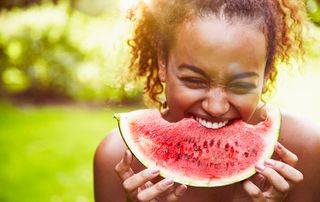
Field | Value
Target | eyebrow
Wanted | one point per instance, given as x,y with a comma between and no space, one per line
201,72
193,68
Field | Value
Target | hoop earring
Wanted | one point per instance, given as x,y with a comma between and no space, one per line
163,108
164,105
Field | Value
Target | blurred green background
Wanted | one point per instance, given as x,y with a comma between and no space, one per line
62,64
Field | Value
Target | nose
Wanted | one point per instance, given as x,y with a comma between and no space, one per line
216,102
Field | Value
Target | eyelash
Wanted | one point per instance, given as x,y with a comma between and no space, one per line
195,82
241,88
238,88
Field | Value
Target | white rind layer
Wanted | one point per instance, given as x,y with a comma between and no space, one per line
270,140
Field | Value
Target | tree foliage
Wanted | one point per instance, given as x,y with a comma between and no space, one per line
9,4
73,49
63,55
313,8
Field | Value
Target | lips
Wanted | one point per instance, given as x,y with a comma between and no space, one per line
209,124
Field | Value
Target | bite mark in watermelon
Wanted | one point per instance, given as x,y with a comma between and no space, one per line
194,155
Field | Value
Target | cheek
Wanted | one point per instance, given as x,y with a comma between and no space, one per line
246,105
179,97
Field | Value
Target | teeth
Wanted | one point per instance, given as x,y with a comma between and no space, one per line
209,124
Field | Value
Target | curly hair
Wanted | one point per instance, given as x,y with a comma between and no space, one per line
155,22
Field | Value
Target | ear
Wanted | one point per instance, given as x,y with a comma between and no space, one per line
162,65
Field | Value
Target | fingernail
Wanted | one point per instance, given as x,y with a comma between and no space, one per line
126,154
182,189
259,168
127,158
279,146
167,182
154,171
270,162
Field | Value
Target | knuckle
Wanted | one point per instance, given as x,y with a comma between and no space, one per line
179,191
268,171
172,199
300,177
117,168
120,167
141,197
145,174
126,185
281,165
295,158
160,187
285,187
256,193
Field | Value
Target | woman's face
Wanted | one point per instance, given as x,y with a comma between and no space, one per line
214,71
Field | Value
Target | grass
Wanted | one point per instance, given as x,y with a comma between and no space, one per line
46,153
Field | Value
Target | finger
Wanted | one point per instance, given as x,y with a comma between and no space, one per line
287,171
177,193
147,185
140,179
286,155
275,179
123,168
258,179
155,190
253,191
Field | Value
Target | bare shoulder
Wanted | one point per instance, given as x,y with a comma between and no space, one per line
112,147
299,132
107,185
302,137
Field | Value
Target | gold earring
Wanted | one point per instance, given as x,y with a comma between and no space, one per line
164,105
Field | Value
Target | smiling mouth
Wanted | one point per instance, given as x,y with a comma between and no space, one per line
209,124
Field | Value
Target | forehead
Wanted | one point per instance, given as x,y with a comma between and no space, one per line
212,40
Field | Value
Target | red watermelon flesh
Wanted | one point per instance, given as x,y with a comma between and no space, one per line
195,155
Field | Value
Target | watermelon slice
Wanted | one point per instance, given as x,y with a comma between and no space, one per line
194,155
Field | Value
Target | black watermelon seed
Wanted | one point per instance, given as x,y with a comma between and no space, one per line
211,142
205,144
195,147
254,151
218,143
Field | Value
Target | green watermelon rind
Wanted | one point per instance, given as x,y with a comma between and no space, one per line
124,118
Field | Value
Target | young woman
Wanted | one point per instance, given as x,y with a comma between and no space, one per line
216,60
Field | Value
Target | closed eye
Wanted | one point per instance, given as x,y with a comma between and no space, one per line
193,82
241,87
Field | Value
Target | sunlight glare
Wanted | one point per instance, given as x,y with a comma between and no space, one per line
126,4
88,73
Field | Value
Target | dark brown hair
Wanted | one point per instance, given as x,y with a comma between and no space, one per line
155,22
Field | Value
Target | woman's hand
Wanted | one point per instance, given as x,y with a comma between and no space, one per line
139,187
280,177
